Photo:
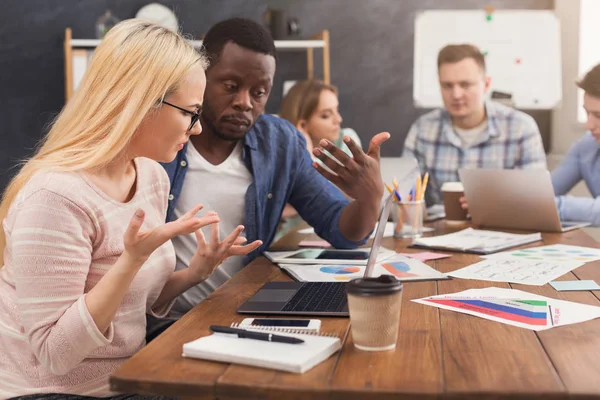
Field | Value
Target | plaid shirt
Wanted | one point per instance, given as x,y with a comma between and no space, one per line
512,140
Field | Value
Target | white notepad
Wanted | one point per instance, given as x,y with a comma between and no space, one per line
296,358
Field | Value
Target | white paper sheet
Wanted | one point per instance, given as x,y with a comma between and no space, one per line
403,268
519,270
509,306
552,253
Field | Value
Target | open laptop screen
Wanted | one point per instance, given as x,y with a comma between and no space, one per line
383,217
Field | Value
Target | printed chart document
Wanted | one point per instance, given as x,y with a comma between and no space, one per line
552,253
519,270
514,307
403,268
476,241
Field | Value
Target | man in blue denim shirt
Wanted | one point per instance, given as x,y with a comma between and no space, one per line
246,165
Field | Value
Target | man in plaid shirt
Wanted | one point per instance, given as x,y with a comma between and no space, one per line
470,132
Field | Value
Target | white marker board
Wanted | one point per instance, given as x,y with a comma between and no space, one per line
521,48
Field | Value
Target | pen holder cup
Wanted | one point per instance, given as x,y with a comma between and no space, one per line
408,218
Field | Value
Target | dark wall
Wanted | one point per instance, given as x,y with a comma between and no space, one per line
371,58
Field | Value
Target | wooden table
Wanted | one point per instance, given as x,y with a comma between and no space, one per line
439,353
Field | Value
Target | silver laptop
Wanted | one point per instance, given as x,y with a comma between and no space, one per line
513,199
312,298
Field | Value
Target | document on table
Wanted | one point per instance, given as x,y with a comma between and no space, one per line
527,272
514,307
476,241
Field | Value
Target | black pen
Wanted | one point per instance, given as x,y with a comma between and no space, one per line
244,334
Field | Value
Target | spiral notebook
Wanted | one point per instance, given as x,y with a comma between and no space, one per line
277,329
297,358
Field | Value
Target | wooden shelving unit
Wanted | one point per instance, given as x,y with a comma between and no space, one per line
318,41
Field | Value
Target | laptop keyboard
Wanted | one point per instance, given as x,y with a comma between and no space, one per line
319,297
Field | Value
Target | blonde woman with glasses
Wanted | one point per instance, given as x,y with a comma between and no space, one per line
86,252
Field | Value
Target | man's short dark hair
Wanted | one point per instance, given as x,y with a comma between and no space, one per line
244,32
454,53
591,82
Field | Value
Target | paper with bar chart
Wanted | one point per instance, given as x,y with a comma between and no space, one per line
514,307
403,268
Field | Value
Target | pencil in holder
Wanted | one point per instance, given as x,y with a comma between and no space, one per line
408,218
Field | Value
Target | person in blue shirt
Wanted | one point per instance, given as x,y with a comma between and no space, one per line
312,106
246,165
582,161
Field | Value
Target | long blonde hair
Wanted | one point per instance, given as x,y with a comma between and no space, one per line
136,65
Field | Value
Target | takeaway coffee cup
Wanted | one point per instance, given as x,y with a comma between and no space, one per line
374,305
451,193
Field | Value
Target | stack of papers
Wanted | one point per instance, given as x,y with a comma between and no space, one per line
476,241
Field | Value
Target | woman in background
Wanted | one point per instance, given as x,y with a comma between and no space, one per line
312,106
86,252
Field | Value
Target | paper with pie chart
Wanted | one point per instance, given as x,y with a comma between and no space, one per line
403,268
553,253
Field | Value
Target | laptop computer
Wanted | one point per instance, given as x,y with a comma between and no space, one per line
513,199
312,298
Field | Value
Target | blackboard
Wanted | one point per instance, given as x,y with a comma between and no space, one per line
371,58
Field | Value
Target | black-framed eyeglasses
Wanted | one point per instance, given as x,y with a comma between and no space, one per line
195,115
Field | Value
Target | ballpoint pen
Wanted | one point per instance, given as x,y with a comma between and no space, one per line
244,334
394,192
397,194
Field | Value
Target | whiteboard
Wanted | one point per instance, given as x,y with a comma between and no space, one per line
521,48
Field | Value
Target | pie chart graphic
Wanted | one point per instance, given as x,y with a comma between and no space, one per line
399,269
340,270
